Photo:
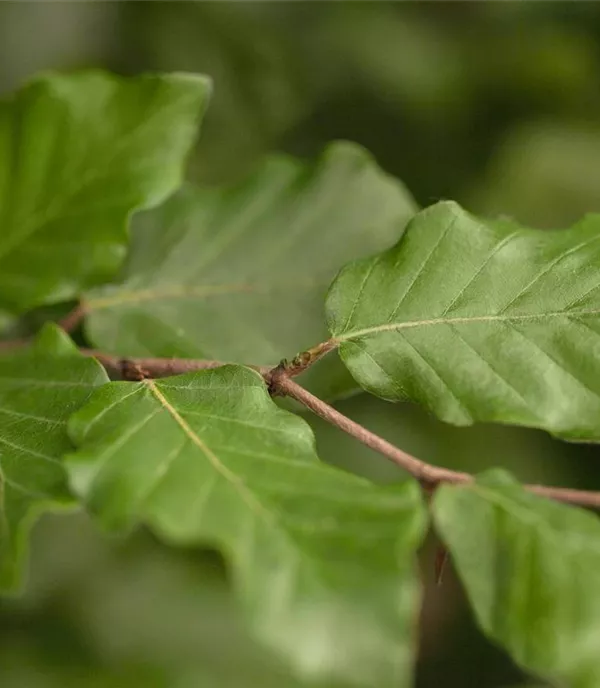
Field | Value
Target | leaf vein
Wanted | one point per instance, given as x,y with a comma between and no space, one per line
467,320
27,450
423,266
251,501
547,268
30,416
434,370
497,248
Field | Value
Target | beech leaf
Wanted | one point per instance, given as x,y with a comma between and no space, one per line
479,321
531,570
323,561
239,274
78,154
40,387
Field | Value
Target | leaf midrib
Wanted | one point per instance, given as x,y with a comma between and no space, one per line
255,506
201,291
390,327
246,494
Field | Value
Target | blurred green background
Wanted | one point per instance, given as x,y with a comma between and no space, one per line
493,104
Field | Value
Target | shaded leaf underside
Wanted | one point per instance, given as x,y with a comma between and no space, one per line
479,321
239,274
323,561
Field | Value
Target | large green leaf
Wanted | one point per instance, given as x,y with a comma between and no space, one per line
323,561
531,569
40,387
479,321
240,274
78,154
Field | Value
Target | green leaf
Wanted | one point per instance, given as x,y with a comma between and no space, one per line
40,387
239,274
531,569
479,321
323,561
78,154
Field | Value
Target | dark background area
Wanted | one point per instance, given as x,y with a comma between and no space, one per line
493,104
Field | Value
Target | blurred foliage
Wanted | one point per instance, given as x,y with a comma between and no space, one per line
495,105
125,613
545,173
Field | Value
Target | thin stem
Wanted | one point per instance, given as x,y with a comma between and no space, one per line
567,495
156,367
68,324
423,472
280,382
430,476
10,344
72,319
303,361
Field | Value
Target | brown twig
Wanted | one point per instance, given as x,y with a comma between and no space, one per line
427,474
280,382
11,344
68,324
567,495
158,367
423,472
306,359
72,319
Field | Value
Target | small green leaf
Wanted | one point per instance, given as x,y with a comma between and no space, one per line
531,569
479,321
78,154
323,561
240,274
40,387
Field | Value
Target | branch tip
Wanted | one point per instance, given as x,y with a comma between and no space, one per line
72,320
280,383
